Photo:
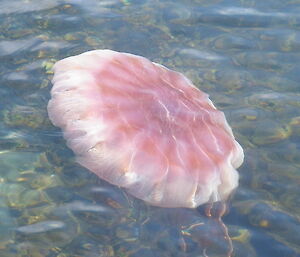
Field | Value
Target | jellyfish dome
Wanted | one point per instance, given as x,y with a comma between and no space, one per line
144,127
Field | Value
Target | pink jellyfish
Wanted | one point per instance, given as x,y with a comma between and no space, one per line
143,127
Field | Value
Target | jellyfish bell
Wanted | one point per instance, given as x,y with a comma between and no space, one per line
143,127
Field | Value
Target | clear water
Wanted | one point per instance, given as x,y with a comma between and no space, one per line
245,54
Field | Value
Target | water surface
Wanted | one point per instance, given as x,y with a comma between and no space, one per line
244,54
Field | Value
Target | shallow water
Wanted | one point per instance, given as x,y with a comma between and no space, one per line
245,54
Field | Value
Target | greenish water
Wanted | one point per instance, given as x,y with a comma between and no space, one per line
245,54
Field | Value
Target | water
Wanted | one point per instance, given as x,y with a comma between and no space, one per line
245,54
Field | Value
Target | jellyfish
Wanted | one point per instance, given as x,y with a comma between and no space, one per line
145,128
